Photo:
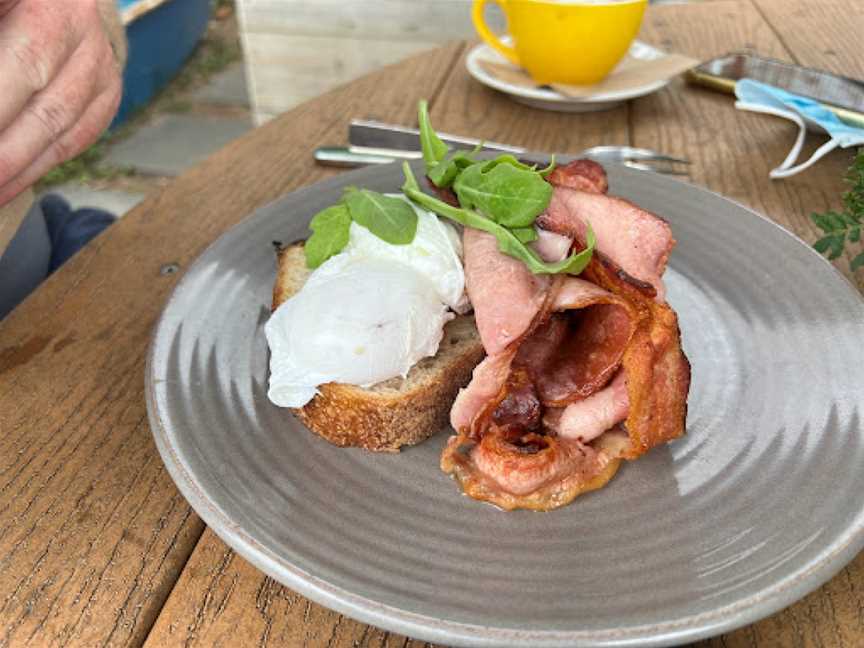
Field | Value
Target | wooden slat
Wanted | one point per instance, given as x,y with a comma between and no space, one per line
93,533
466,107
732,150
824,34
298,49
431,20
288,69
222,600
732,153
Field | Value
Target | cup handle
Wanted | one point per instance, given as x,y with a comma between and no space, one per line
486,34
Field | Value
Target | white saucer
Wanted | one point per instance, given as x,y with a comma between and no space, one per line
546,98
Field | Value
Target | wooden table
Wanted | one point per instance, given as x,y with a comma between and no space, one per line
97,547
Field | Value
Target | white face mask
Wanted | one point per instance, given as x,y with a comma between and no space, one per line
760,97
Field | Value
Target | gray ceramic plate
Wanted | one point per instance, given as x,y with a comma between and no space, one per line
761,502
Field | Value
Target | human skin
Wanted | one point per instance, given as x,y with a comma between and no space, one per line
60,85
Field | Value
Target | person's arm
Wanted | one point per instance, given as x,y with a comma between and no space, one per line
60,62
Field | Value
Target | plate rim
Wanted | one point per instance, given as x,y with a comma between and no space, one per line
539,94
787,590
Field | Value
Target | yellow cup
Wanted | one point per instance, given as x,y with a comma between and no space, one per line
564,41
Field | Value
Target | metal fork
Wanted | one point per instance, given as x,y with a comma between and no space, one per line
637,158
378,143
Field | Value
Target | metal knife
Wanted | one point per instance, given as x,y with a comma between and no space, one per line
373,142
376,134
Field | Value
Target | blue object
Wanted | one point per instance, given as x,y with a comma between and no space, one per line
160,41
70,230
51,233
761,97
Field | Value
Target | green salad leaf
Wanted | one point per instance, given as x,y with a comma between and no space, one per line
508,241
390,219
433,148
509,192
330,229
445,172
525,234
544,173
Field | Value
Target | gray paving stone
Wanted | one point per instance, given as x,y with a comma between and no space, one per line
116,202
228,88
170,144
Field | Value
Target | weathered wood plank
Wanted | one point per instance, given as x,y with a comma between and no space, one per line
467,107
298,49
825,34
431,20
288,69
222,600
732,150
93,533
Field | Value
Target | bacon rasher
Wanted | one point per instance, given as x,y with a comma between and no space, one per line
581,372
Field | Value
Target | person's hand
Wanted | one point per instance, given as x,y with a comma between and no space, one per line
60,86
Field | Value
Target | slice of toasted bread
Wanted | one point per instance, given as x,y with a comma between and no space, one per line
399,411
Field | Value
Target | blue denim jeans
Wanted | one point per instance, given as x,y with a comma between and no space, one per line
50,234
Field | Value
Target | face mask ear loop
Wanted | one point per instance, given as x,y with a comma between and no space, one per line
823,150
799,141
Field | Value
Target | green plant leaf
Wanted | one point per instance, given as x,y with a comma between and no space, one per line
821,245
840,227
837,221
444,173
391,219
330,229
410,183
837,243
433,148
507,158
822,221
857,262
508,242
549,168
832,244
525,234
504,189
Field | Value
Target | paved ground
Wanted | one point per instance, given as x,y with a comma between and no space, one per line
172,143
179,131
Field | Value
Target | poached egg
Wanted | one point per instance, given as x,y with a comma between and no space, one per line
367,314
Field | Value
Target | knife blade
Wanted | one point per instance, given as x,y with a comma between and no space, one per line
373,134
352,156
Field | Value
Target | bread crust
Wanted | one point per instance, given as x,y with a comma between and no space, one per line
398,412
